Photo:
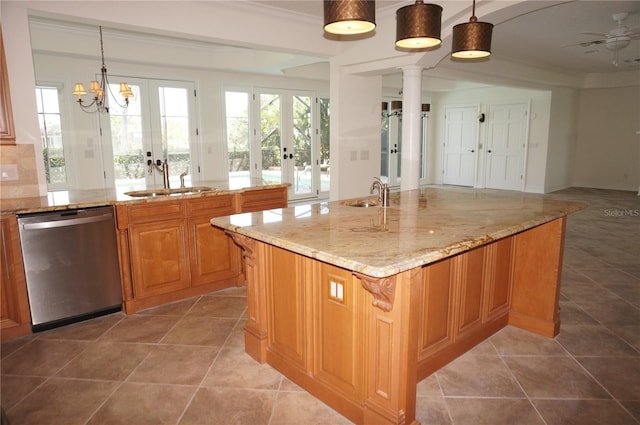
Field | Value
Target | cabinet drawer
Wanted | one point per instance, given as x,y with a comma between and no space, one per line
154,211
263,199
212,206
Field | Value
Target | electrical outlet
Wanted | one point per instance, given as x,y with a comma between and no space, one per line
336,291
8,172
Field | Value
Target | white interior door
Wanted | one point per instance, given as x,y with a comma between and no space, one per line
507,132
461,140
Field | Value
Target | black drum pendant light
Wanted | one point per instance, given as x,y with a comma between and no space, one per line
472,40
349,17
418,26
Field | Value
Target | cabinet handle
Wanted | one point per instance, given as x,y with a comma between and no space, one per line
195,245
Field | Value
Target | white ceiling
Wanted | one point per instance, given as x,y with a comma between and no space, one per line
547,38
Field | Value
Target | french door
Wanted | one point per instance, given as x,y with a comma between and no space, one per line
391,144
288,137
157,125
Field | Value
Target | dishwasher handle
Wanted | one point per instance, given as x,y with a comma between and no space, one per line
67,222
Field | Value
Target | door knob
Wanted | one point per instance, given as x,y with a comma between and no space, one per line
489,151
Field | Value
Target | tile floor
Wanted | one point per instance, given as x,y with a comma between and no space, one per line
184,363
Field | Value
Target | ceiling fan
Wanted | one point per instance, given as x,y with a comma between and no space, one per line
616,39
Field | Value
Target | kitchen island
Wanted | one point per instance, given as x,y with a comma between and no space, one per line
356,305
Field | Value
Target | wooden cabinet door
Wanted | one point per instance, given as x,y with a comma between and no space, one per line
159,258
436,330
15,318
499,259
470,282
286,312
213,254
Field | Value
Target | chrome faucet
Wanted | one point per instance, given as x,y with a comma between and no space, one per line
182,176
383,191
163,167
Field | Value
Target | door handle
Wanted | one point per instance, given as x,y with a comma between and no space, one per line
472,150
489,151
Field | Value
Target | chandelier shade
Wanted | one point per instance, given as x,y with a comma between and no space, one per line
100,90
418,26
472,40
349,17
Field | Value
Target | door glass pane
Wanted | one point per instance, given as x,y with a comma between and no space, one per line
384,145
174,131
237,115
126,139
51,135
270,135
303,174
324,145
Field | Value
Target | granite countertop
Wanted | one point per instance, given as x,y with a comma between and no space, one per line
419,227
64,200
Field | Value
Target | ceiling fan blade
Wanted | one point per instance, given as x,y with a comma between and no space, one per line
599,34
586,43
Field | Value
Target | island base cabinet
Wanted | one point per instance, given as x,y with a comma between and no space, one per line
361,343
537,268
324,330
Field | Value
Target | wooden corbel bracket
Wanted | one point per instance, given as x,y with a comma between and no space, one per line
382,289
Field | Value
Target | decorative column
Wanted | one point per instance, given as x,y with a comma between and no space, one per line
411,126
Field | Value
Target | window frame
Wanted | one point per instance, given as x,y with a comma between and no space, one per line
67,139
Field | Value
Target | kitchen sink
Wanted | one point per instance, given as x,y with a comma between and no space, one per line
363,203
166,192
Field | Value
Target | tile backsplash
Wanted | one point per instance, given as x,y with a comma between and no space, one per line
18,173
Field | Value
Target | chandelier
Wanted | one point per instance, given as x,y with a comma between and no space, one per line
101,90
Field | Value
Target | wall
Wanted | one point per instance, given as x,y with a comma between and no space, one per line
355,133
23,158
562,140
607,145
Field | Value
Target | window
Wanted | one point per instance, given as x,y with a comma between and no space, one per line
237,123
50,120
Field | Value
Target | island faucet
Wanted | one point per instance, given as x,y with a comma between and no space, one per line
163,167
383,191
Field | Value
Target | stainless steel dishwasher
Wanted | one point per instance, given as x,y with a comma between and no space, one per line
71,265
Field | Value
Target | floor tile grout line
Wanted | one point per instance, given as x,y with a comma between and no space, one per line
600,384
199,386
515,378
